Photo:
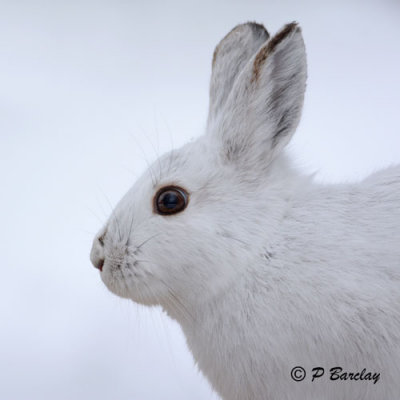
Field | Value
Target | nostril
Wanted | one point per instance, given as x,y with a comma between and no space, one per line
99,264
101,240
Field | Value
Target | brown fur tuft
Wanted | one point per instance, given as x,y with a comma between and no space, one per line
269,48
222,40
257,29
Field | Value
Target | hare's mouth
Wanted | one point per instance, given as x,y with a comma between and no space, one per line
117,278
131,281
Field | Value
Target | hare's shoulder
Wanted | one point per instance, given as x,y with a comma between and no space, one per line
382,189
388,178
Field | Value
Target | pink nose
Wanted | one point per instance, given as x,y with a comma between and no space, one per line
99,264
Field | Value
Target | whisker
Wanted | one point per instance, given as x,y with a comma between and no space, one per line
156,129
94,214
147,240
124,280
101,204
171,138
130,228
114,216
171,142
177,302
171,157
130,170
153,179
156,154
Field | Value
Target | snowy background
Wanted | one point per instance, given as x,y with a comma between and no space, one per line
88,91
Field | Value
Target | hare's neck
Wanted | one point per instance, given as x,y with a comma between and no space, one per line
321,218
333,223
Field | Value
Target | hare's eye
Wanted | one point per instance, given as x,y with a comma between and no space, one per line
170,200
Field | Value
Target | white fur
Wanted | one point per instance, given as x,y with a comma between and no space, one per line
265,269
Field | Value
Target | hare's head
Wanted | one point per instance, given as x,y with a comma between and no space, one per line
196,218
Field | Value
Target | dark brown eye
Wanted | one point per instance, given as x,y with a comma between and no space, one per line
170,200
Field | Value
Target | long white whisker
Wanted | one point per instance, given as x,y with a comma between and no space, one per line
150,169
94,214
177,302
156,154
113,215
130,228
147,240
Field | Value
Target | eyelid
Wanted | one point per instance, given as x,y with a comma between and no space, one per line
164,189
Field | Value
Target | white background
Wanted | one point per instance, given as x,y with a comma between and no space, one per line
88,91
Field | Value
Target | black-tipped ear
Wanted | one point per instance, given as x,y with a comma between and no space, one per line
264,106
230,56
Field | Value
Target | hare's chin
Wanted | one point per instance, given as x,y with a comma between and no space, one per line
115,281
118,289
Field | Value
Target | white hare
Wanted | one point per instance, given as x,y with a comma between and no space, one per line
264,269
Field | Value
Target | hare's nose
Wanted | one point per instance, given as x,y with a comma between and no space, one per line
99,264
97,253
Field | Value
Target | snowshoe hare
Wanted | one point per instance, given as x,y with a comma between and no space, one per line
284,288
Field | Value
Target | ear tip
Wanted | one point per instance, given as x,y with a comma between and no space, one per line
288,37
293,28
252,32
258,29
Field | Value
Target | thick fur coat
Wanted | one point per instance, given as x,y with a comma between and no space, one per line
264,269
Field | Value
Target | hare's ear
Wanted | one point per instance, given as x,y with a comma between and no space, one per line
230,56
264,106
